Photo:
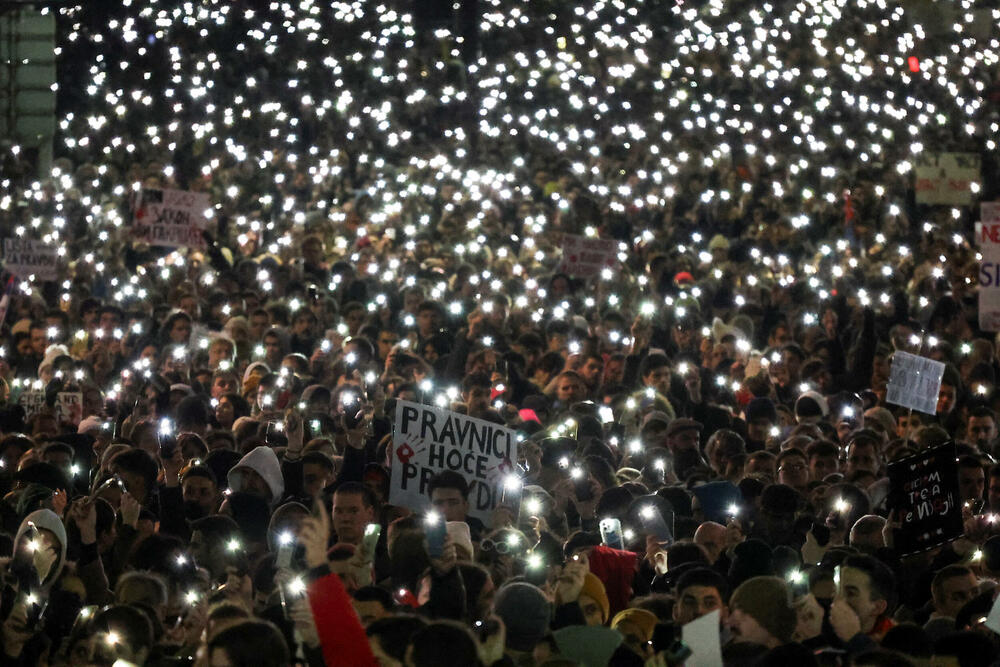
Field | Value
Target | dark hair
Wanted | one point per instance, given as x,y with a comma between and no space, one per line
948,572
241,407
129,623
448,479
189,438
318,458
444,643
981,411
652,362
706,577
139,461
550,362
395,632
968,461
216,527
909,639
59,448
682,552
822,448
969,647
476,380
105,515
252,643
200,471
374,594
359,489
155,553
881,580
787,453
191,411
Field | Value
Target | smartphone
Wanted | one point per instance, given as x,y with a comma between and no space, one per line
168,445
581,484
653,523
370,539
274,435
611,533
114,480
486,629
286,547
821,533
350,407
435,530
35,606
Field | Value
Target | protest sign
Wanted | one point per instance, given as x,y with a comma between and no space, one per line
914,382
988,239
24,257
429,440
585,257
924,495
68,407
946,178
173,218
702,637
33,401
993,620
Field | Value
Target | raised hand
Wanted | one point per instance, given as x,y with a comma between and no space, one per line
314,536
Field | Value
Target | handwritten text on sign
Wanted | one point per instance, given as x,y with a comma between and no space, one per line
946,178
584,257
429,440
914,382
24,257
173,218
924,495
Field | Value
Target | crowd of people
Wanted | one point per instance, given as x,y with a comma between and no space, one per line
196,443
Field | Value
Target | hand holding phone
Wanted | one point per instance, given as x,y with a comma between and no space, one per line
370,541
435,529
611,533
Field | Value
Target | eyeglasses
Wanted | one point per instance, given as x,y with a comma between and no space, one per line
792,467
500,547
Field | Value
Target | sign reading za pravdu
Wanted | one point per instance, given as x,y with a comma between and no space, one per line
25,257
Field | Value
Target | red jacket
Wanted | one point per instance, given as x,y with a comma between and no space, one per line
340,633
616,569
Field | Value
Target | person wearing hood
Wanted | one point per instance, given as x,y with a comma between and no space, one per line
259,473
39,556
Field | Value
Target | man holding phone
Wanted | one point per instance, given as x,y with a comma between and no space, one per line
449,494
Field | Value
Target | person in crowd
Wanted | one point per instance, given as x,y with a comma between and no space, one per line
334,337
